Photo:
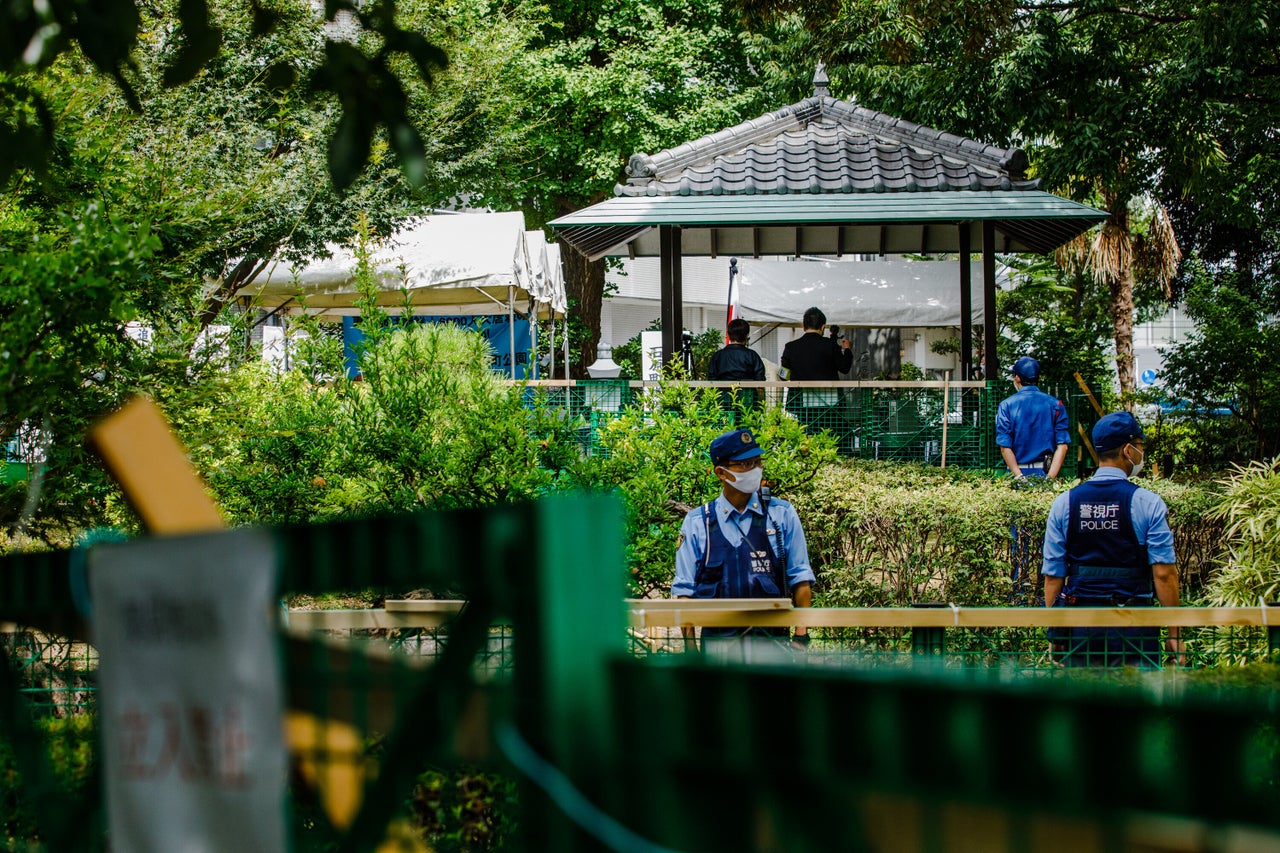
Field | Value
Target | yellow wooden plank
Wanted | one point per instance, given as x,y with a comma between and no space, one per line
372,619
696,605
659,613
432,605
979,617
158,480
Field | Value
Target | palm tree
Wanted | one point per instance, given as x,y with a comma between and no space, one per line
1136,242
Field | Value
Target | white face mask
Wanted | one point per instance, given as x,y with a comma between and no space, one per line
746,481
1137,466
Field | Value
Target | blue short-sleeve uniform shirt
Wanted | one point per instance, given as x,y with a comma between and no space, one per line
734,525
1032,424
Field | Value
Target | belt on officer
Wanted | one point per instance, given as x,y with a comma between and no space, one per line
1110,601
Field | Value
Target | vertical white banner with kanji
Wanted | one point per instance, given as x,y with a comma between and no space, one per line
190,693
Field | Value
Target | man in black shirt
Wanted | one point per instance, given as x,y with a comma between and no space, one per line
811,357
735,361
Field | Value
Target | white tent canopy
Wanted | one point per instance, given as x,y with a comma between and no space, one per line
466,263
882,293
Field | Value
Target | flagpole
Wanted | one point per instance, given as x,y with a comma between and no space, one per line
733,297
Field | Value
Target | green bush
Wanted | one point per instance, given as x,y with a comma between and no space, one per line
465,810
71,748
428,426
431,427
888,535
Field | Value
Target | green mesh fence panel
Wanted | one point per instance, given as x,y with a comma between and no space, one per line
875,738
921,422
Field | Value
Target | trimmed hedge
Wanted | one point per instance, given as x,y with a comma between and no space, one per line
889,535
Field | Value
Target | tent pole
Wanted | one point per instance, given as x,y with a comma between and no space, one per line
533,338
511,325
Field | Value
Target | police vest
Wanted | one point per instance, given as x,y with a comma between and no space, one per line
1105,562
751,570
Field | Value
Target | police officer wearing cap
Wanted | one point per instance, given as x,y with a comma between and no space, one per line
743,544
1108,544
1031,426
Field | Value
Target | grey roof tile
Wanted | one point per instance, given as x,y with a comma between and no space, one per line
824,145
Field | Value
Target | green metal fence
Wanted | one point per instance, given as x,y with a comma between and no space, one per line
926,422
55,673
619,752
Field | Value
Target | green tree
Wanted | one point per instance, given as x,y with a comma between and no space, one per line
1058,316
605,81
158,214
1122,105
35,33
1231,360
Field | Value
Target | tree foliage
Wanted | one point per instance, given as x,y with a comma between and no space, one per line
605,81
37,32
1230,361
1114,103
159,213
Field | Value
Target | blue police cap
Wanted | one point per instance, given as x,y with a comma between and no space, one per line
1116,430
1026,369
732,446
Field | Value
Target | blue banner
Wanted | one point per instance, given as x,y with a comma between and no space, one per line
495,328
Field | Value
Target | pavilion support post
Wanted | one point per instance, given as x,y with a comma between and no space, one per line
991,363
671,284
966,304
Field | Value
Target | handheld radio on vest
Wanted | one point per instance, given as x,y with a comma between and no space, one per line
765,495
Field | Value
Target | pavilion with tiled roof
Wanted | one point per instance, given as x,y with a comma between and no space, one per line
828,177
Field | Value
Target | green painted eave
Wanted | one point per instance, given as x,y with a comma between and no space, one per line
828,223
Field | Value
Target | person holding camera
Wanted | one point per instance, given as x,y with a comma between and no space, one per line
813,358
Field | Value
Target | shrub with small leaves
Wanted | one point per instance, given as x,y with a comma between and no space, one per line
1250,509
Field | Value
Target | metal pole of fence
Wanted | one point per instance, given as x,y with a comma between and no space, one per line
928,641
946,414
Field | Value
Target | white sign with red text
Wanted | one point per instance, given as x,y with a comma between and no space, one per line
190,693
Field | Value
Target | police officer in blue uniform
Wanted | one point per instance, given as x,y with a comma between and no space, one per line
1108,544
743,544
1031,426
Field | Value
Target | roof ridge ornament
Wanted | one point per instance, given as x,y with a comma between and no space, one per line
821,82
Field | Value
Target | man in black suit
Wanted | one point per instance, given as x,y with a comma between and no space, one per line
811,357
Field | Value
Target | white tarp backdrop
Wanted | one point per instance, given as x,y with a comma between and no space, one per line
882,293
463,263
